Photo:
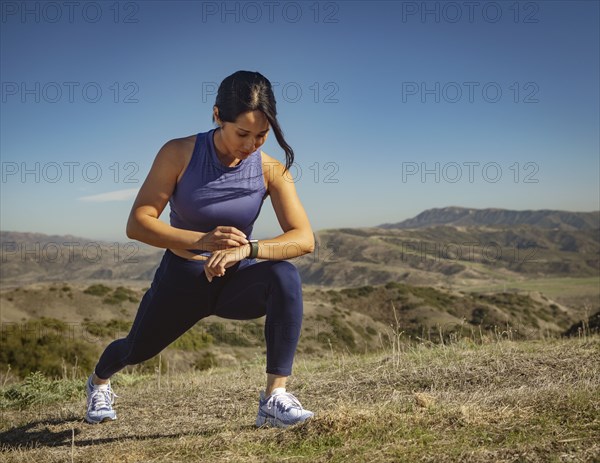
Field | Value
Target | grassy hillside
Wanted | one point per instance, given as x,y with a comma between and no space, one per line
476,400
419,310
53,327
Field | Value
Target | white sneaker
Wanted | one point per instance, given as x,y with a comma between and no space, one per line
100,399
281,409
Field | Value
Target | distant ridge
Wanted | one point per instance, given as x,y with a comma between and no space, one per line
10,236
461,216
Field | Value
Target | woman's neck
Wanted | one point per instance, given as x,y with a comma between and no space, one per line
221,156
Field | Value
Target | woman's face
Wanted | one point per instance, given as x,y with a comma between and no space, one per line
235,141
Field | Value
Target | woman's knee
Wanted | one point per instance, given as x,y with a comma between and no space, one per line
285,275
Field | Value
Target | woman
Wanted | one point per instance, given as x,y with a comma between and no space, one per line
215,183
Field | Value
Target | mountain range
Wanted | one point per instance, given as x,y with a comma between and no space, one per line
460,216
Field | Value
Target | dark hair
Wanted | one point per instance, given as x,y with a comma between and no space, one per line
245,91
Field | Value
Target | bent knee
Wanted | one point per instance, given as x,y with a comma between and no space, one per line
285,274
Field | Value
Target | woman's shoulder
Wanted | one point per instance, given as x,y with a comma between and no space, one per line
179,149
270,163
274,171
177,153
178,145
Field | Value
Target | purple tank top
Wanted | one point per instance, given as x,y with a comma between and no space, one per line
210,194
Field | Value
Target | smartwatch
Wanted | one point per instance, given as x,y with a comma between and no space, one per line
253,249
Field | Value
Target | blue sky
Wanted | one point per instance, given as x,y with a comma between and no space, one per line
391,107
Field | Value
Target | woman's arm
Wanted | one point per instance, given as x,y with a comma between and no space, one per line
297,238
144,224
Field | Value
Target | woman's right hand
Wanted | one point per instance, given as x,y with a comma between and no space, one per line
222,237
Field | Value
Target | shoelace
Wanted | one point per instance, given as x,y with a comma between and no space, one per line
286,401
100,398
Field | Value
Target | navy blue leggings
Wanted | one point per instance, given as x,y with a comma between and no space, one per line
180,295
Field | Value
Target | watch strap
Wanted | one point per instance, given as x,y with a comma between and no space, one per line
253,249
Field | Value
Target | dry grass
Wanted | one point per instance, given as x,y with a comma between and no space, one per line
500,401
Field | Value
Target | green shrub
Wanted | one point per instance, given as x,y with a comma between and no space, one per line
343,333
372,331
46,345
97,290
119,325
205,361
433,297
192,340
119,295
111,329
361,291
232,337
478,315
334,297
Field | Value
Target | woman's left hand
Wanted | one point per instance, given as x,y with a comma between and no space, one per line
224,258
